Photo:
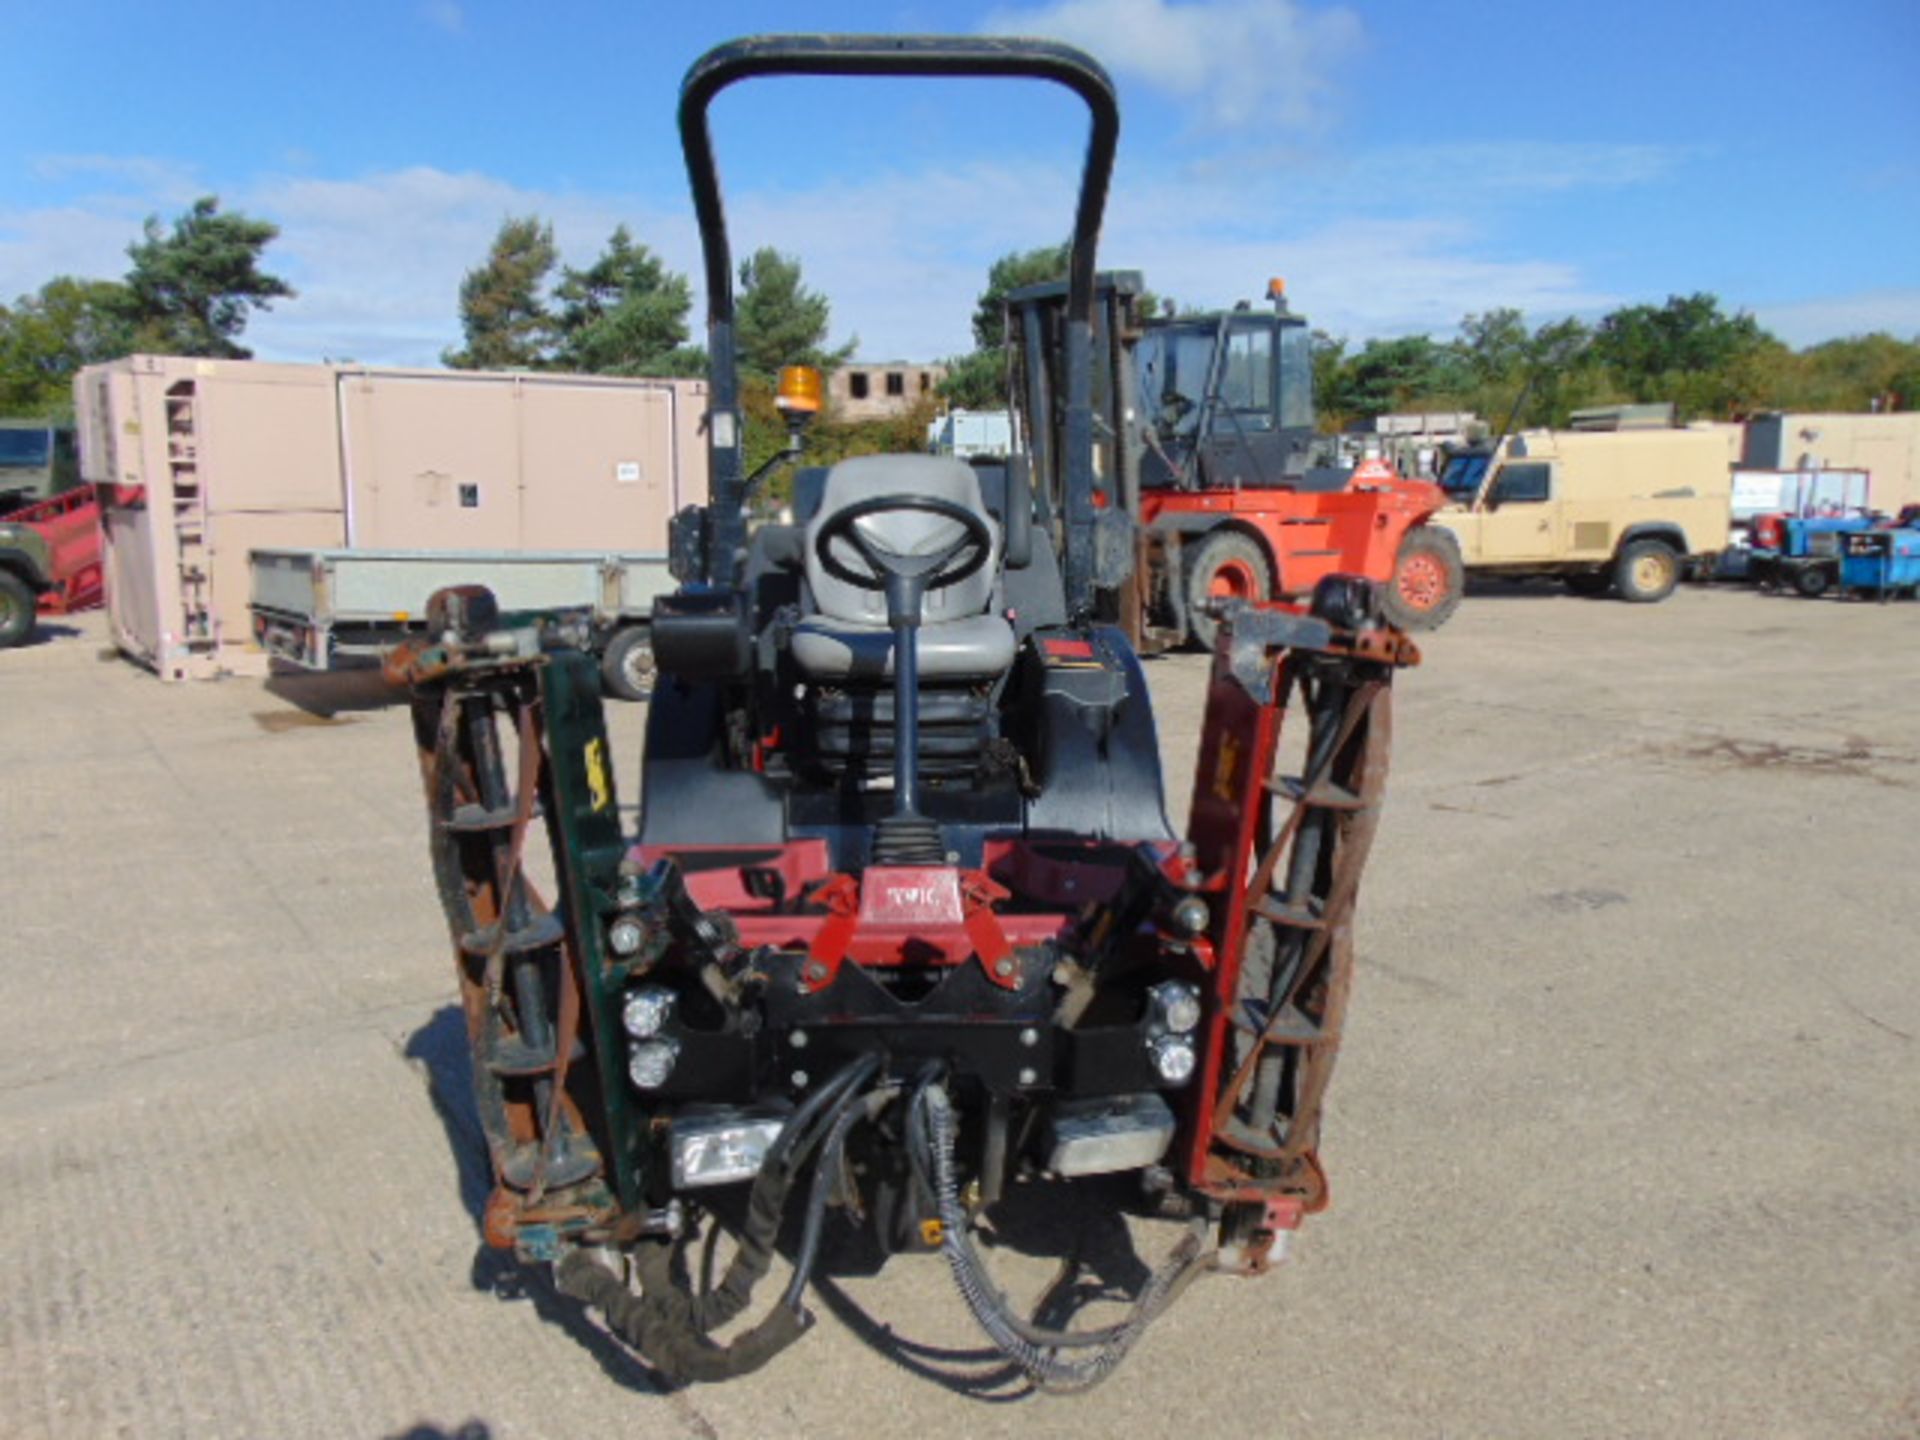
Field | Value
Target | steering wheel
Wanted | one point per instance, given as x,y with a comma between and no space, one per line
904,577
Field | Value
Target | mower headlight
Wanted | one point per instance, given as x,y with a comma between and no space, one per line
1177,1005
721,1149
644,1012
650,1062
625,936
1173,1058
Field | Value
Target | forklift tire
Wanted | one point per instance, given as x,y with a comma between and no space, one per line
1646,571
1227,565
17,610
1429,577
626,665
1811,581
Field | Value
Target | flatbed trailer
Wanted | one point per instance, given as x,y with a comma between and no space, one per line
313,607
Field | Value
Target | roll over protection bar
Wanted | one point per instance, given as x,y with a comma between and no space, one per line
902,55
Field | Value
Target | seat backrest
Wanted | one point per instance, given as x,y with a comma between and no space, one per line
867,476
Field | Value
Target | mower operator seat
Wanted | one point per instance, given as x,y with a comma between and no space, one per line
847,637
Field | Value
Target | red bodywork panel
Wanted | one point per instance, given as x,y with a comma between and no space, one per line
70,524
1310,534
896,915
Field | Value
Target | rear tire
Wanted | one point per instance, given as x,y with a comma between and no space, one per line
1811,581
1429,577
1646,571
626,665
17,608
1227,565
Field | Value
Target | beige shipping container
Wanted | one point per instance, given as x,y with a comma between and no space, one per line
204,461
1886,446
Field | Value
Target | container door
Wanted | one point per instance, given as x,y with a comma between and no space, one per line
596,466
432,462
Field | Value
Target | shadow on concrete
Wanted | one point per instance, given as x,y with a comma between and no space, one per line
328,693
465,1430
1082,1224
1490,587
46,632
441,1049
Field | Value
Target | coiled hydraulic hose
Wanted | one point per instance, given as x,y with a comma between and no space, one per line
1036,1350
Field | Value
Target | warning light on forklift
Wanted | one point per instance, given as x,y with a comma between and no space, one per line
1276,289
800,390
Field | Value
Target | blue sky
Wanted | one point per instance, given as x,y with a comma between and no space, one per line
1400,163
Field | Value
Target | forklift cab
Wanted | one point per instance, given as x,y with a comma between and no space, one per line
1226,400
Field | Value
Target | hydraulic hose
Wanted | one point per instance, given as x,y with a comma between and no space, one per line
667,1323
832,1157
1034,1349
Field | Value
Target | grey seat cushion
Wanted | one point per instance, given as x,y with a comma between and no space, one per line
977,648
848,639
868,477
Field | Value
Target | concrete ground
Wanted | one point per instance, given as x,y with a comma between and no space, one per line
1625,1139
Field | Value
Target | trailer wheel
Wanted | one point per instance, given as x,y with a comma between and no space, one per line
17,607
1811,580
1429,578
1646,571
1227,565
626,665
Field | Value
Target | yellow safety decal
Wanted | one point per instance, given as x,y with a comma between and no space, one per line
1226,768
598,786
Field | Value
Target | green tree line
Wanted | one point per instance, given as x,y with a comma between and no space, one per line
1711,365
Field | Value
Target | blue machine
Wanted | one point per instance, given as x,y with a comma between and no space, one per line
1883,563
1808,560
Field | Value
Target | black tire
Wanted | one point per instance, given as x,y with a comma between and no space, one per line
1812,581
1590,583
18,605
1240,565
626,665
1646,571
1429,577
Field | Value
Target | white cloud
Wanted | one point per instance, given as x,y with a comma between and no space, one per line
378,259
1809,321
1236,62
142,175
88,240
1359,278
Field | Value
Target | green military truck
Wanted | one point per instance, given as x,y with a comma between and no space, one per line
37,459
1628,512
37,462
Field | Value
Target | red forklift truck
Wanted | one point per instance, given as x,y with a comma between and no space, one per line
1206,436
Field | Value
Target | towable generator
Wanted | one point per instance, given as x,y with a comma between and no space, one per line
903,924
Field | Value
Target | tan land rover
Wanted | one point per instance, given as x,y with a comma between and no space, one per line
1629,511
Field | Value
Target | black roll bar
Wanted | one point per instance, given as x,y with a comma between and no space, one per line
904,55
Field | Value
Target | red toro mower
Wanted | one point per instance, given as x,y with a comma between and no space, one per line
903,925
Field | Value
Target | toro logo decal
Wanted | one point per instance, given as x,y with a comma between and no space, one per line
910,895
